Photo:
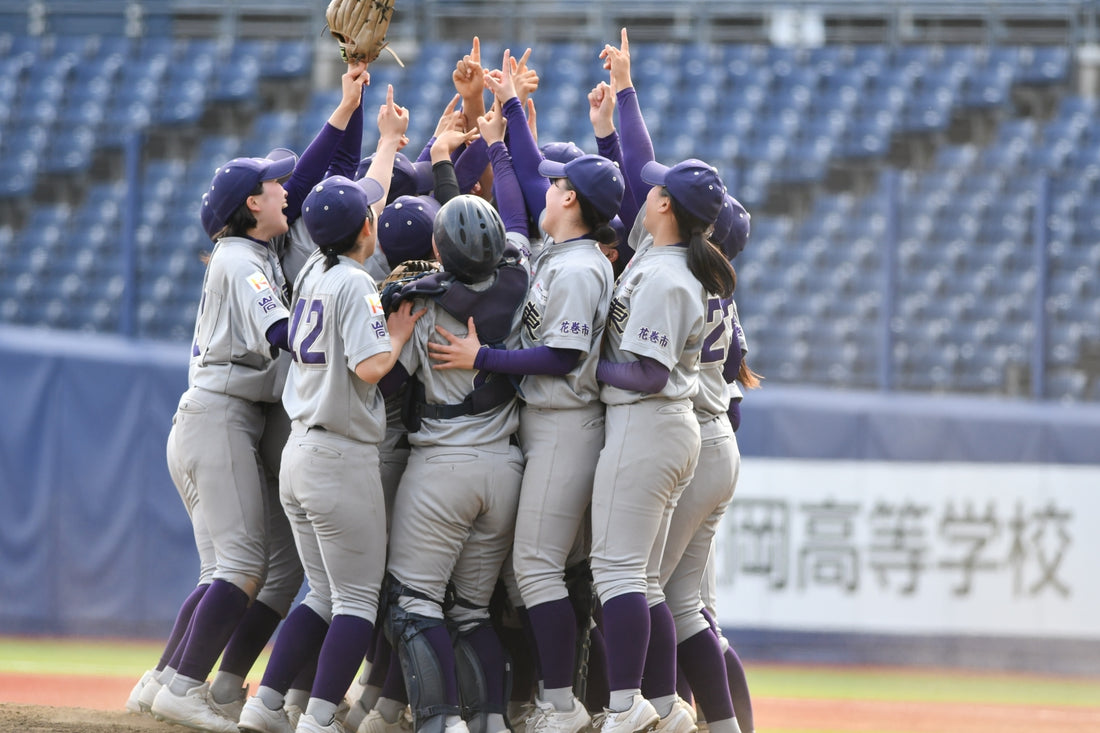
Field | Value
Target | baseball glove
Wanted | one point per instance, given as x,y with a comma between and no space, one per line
360,27
405,273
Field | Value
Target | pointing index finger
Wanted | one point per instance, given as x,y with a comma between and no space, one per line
475,50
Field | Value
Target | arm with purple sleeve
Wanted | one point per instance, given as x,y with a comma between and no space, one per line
345,161
278,335
506,189
525,158
637,147
644,375
311,168
537,360
471,163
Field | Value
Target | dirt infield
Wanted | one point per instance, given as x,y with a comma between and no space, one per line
41,704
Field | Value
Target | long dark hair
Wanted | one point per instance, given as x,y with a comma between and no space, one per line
601,228
333,250
706,262
242,219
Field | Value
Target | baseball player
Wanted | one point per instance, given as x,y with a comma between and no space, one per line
701,507
330,485
306,625
649,371
561,423
456,503
284,574
242,321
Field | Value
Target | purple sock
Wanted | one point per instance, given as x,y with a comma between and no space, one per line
739,690
626,631
683,687
531,642
523,662
394,685
296,645
345,646
597,693
304,679
701,658
250,638
179,628
710,620
490,653
215,618
380,667
554,626
659,678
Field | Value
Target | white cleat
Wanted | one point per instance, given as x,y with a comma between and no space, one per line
148,693
375,723
548,719
640,717
231,710
133,703
309,724
191,710
255,716
677,721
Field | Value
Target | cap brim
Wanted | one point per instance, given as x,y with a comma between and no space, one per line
654,173
552,169
372,188
277,169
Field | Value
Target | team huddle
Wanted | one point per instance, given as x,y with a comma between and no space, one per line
484,403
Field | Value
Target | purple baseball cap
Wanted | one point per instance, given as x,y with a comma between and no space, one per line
561,152
234,182
409,178
405,229
694,184
337,207
594,177
209,223
280,154
731,229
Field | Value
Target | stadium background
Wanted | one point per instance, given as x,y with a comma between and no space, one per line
920,290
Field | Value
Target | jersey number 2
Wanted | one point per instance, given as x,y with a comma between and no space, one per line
714,347
307,322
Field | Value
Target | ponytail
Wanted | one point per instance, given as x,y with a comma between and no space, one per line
706,262
601,228
333,250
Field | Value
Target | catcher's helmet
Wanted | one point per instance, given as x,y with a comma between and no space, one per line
469,236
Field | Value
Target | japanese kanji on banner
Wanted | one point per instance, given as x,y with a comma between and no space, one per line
912,548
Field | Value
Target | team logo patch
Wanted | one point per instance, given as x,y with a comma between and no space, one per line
374,303
258,281
540,293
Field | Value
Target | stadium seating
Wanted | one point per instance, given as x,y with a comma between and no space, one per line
812,284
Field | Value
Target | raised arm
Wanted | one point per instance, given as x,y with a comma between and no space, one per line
521,143
393,121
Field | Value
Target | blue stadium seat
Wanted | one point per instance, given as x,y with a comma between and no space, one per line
1042,65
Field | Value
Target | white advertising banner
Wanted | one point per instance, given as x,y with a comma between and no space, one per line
917,548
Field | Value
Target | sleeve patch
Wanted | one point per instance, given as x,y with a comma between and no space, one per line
374,303
259,282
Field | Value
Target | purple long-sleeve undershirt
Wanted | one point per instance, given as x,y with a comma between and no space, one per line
471,163
526,157
537,360
506,189
644,375
637,148
278,334
734,414
311,168
345,161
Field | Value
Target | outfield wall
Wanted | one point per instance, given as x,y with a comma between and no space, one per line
866,527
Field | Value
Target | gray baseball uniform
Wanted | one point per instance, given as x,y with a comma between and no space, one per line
456,505
702,505
651,440
330,485
561,425
220,419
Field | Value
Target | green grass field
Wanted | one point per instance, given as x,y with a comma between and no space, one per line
118,658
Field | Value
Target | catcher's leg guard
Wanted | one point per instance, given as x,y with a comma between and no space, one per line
425,676
478,685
